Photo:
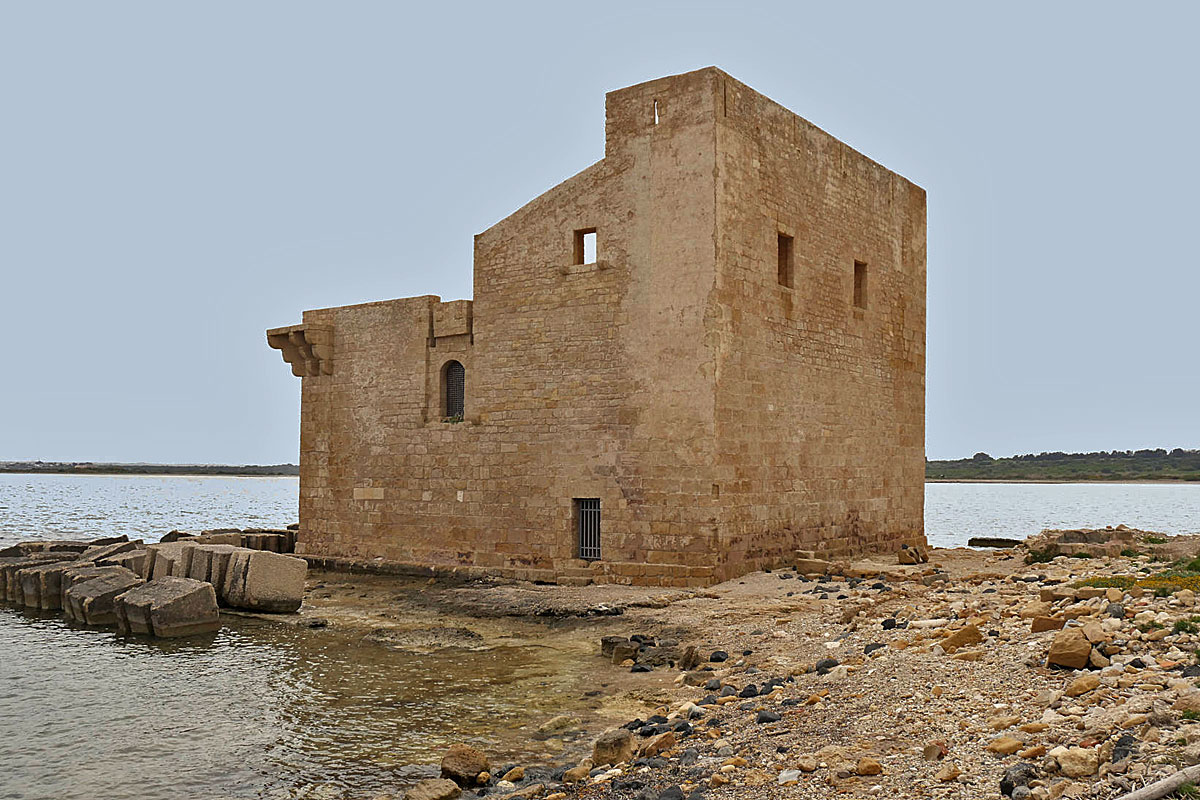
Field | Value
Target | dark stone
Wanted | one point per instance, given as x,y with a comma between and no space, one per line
634,724
1191,671
767,716
871,648
1126,747
713,685
671,793
1017,775
657,719
889,623
825,665
718,656
750,691
727,691
641,668
689,756
1115,610
791,701
708,700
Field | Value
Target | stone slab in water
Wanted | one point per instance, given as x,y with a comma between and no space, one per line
41,585
209,562
169,607
258,580
91,602
10,583
98,553
74,574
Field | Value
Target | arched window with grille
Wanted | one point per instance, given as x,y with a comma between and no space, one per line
454,390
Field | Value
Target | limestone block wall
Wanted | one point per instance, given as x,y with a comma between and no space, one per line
820,399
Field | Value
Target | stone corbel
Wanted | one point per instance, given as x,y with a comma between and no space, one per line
308,348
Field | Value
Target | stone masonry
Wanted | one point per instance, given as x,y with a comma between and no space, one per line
737,373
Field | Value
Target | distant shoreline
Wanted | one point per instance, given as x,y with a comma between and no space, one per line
168,470
1062,480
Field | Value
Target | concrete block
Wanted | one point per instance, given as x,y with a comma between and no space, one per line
262,581
91,601
169,607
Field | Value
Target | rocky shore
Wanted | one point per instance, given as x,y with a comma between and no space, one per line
1066,667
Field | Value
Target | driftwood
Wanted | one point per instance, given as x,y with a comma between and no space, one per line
1162,788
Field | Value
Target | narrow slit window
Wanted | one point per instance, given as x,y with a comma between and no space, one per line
587,527
585,246
785,260
454,390
860,284
655,112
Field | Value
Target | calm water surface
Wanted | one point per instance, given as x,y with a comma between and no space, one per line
266,710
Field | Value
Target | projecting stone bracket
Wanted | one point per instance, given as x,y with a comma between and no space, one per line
308,348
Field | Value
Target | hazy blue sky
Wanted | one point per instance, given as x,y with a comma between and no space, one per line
175,178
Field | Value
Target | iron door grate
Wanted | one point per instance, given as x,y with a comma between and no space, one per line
587,512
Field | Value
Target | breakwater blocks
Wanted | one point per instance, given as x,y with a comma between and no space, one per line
259,580
164,589
93,601
169,607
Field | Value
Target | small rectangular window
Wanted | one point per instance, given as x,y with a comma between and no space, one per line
587,527
785,260
860,284
585,246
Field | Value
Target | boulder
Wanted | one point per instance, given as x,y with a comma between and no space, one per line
463,763
92,602
161,558
132,560
433,789
262,581
812,566
658,744
607,643
1070,649
613,747
169,607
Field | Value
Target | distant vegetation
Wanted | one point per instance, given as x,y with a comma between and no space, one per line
98,468
1114,465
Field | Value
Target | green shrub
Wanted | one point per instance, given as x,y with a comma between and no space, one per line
1155,540
1039,556
1184,626
1082,554
1129,552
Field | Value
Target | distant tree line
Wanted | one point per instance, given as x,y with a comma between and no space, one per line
98,468
1104,465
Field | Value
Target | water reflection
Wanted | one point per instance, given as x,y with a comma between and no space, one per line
263,710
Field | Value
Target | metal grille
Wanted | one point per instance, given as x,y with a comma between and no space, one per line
456,389
587,511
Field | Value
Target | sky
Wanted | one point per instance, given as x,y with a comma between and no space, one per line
177,177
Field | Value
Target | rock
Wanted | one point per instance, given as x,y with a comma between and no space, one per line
463,763
434,789
1004,745
765,716
690,658
259,580
98,553
624,651
812,566
658,744
671,793
1188,700
607,643
1018,776
807,763
1078,762
948,773
868,766
93,602
968,634
613,747
718,656
1115,610
578,773
556,725
1041,624
826,665
169,607
78,574
1082,685
41,584
1070,649
1038,608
